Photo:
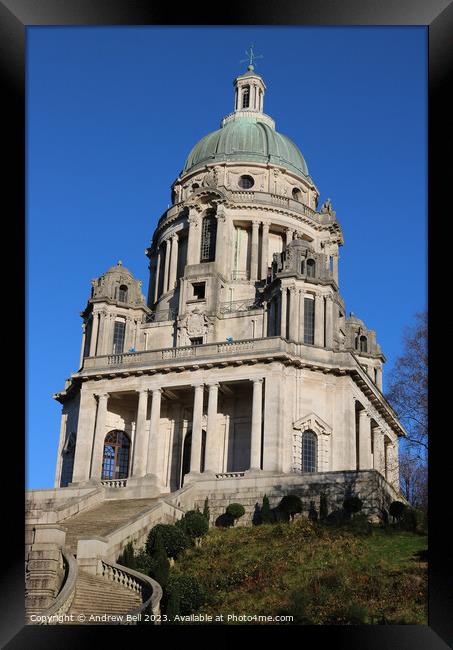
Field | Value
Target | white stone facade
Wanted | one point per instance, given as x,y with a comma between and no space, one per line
243,345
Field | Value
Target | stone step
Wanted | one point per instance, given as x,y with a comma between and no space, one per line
96,595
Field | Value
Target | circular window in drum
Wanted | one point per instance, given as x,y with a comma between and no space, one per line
246,182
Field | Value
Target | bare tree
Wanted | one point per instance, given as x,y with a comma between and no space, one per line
408,386
413,479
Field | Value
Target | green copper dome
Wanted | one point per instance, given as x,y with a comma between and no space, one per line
246,139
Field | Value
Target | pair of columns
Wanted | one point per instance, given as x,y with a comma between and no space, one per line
384,456
255,273
293,317
170,265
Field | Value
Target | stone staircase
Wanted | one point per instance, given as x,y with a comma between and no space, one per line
96,596
103,519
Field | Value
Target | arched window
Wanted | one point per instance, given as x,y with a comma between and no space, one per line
122,293
246,97
118,336
208,237
195,186
311,268
363,344
297,194
115,462
309,451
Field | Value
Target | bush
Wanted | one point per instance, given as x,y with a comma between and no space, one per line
127,556
206,512
413,520
266,514
174,539
224,521
323,509
143,561
351,505
359,525
159,567
235,510
397,509
189,591
290,505
194,524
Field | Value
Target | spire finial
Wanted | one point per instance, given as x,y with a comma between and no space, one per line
251,57
120,263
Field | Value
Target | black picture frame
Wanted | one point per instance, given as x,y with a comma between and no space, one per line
437,16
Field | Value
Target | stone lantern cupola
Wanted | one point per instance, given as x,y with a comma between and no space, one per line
249,92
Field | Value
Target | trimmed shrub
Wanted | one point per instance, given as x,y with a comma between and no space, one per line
173,605
127,556
266,514
397,509
224,521
159,568
194,524
206,512
190,591
413,520
323,509
290,505
174,539
235,510
351,505
142,561
312,512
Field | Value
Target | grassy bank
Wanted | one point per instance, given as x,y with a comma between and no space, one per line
318,574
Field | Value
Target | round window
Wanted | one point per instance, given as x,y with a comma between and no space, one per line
246,182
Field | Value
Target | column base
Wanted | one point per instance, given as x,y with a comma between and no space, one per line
253,471
191,477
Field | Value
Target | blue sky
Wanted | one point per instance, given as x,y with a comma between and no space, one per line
112,114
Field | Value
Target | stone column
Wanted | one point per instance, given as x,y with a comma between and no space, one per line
257,407
272,415
283,307
365,461
82,349
319,321
156,279
379,378
220,241
391,450
212,450
264,250
265,317
378,446
94,334
101,335
301,315
99,436
193,242
85,432
154,443
173,262
254,251
140,438
293,314
329,321
167,264
195,453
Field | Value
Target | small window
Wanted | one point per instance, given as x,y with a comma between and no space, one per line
309,451
246,97
309,321
195,186
197,340
199,290
363,344
311,268
122,293
297,194
208,237
302,266
246,182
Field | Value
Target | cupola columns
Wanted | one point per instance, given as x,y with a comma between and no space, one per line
249,91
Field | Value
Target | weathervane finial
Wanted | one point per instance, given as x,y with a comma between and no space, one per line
251,57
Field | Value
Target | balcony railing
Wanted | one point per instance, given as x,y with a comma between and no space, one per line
239,305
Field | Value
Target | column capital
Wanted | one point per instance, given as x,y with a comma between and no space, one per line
103,396
214,384
256,223
143,390
174,236
266,225
199,384
158,391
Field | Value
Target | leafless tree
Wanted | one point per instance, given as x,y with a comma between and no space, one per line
413,479
408,386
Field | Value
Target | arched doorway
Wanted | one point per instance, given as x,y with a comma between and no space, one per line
115,459
187,449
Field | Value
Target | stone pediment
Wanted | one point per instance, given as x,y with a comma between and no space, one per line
313,422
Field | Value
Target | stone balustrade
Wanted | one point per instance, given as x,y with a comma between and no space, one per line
115,483
230,475
149,590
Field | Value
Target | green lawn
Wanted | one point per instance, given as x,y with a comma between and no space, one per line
317,574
